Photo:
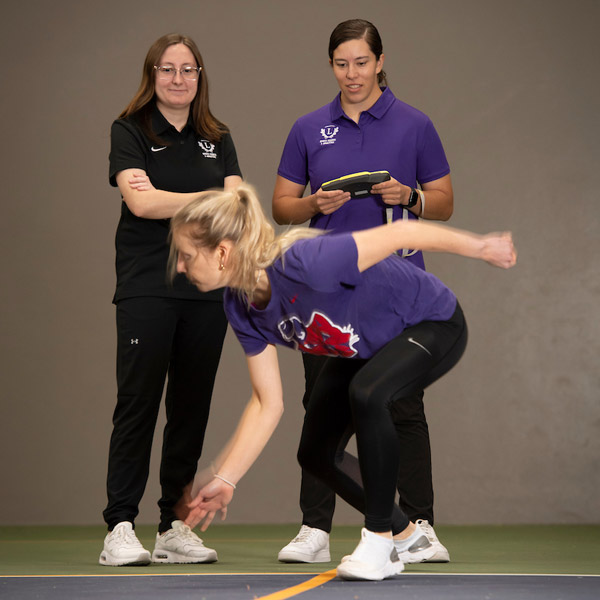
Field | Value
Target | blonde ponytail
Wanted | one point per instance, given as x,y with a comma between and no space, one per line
237,216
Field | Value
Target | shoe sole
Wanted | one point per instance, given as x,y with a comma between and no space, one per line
165,556
438,557
142,560
293,557
425,555
350,571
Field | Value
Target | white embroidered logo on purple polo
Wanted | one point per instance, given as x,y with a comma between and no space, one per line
329,132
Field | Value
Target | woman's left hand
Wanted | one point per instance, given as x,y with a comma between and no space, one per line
498,250
212,498
140,181
392,191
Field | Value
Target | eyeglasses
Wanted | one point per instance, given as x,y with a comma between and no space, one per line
166,72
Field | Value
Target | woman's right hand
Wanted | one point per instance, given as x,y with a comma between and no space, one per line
140,181
210,499
329,202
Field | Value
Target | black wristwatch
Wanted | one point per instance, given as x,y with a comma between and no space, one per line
412,199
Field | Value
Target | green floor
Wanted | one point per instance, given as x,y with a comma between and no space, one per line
559,549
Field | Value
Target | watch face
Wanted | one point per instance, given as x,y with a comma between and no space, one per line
413,198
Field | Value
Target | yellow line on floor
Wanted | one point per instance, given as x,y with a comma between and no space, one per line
301,587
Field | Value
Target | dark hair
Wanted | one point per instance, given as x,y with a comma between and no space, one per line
204,122
358,29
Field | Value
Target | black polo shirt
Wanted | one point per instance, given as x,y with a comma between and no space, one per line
186,162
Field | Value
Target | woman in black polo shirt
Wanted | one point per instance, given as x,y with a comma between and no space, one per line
166,147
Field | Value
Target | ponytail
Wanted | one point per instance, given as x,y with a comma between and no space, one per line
237,216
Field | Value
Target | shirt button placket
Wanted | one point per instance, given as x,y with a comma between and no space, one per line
359,137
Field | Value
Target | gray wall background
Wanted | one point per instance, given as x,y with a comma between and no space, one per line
512,88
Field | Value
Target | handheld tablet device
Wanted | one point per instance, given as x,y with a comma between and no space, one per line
358,184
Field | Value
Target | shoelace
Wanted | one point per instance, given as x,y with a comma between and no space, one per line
122,534
186,533
427,530
305,534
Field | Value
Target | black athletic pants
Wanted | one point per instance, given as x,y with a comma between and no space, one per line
367,397
415,485
159,338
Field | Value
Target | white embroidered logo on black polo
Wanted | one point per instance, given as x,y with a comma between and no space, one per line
208,149
158,149
329,132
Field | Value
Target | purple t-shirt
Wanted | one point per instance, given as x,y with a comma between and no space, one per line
321,304
390,136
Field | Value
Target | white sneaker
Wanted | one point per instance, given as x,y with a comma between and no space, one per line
181,545
416,548
311,545
371,560
121,547
441,553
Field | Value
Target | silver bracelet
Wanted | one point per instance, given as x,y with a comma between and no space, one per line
225,480
422,202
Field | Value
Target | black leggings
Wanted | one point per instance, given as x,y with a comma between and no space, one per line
358,396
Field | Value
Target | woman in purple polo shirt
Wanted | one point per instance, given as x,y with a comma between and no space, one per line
386,327
365,128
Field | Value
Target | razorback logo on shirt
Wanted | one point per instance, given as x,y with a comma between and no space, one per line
320,336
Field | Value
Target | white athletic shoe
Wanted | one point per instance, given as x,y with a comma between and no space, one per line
441,553
311,545
416,548
181,545
121,547
373,559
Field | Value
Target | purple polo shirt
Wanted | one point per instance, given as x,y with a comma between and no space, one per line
327,307
390,136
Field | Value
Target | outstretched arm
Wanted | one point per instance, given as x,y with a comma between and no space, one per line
379,242
258,421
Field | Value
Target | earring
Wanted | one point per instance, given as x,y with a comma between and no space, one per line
221,267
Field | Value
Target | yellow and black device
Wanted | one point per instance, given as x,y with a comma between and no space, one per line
358,184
